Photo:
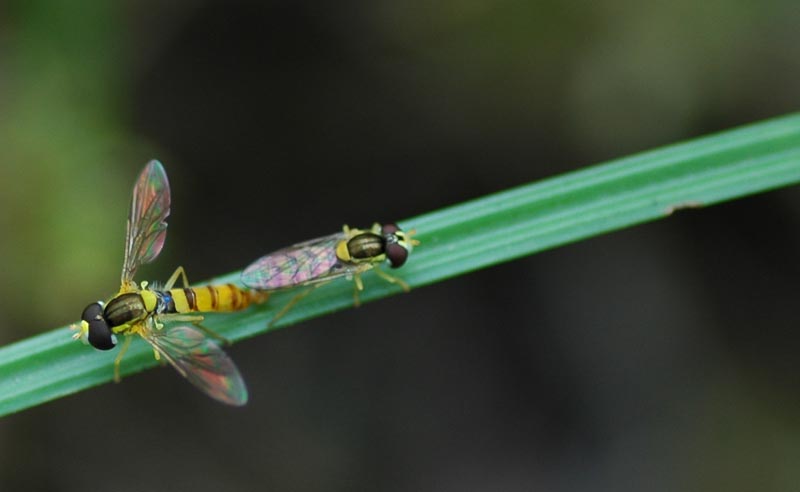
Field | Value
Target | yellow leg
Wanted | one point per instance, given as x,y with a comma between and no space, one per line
392,279
358,286
289,305
213,334
194,319
174,278
178,317
118,360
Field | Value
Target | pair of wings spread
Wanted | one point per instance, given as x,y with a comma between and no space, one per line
188,349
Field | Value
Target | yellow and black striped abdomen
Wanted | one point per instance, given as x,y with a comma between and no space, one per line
210,298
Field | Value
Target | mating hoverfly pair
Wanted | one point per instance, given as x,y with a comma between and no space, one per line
169,318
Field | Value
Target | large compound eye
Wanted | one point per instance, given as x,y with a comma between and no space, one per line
100,335
396,254
396,248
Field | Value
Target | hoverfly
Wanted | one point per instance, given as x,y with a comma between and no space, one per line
345,254
145,311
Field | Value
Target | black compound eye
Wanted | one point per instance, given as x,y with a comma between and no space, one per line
396,255
396,252
100,335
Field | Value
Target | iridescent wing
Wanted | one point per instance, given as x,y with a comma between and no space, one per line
147,226
201,361
302,264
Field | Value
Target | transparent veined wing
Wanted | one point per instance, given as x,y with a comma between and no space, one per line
200,360
147,226
301,264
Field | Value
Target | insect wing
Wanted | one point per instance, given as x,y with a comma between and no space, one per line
302,264
147,226
201,361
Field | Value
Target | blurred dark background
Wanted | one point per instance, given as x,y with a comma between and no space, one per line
662,357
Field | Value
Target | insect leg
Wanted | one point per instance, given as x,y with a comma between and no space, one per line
213,334
119,357
174,278
392,279
194,319
357,286
175,317
289,305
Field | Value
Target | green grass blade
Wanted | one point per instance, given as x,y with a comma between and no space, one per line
466,237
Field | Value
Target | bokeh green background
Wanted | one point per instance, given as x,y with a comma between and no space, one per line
659,358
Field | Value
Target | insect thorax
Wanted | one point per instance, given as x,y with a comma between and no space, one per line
366,247
125,309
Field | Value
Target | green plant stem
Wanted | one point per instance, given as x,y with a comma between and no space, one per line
466,237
